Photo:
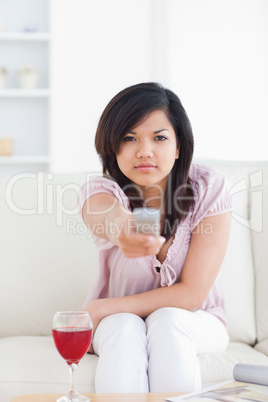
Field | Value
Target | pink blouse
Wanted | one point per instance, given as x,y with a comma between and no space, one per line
118,275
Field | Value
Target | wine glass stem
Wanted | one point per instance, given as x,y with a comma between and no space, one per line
72,389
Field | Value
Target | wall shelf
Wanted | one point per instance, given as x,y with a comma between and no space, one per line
25,36
24,159
24,93
25,40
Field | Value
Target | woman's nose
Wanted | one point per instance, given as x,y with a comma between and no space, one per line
145,151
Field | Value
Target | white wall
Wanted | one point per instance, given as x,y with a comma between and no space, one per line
212,53
218,63
99,47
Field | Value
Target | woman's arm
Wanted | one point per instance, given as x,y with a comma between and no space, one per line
203,261
105,216
108,219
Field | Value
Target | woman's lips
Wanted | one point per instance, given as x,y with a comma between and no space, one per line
145,167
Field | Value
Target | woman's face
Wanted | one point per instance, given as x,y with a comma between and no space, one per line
148,152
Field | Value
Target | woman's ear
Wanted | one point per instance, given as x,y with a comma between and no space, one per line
178,153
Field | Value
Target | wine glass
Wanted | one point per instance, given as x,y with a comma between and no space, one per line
72,334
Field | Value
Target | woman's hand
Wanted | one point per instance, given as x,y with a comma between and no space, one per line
108,219
134,244
96,312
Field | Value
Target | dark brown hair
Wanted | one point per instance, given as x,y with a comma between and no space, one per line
125,111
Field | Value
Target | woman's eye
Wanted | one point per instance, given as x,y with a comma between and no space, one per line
129,138
160,138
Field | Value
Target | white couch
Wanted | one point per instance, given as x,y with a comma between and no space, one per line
47,258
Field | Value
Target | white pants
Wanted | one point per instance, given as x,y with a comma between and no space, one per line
155,355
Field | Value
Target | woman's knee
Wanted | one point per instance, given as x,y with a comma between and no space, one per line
121,343
166,318
170,342
122,322
123,329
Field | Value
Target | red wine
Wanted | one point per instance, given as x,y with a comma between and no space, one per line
72,343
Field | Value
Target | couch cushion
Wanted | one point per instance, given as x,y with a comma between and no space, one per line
47,256
32,365
237,272
219,367
262,346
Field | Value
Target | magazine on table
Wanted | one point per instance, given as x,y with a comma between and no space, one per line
251,384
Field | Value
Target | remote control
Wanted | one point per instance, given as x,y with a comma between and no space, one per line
147,221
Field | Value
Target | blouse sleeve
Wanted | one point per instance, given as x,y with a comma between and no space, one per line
102,185
211,193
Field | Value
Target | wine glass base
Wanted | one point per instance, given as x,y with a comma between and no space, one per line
73,398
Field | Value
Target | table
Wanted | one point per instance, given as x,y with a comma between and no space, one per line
152,397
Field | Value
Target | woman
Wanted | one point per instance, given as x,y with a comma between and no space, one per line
155,301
